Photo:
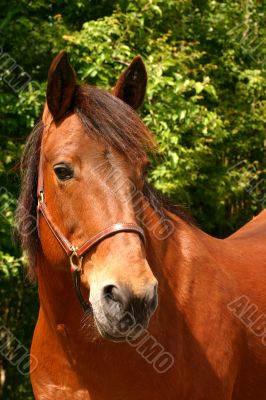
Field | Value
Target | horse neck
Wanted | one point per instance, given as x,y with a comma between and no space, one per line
168,250
183,262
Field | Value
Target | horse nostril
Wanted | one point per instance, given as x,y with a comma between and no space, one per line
118,300
114,301
154,303
111,293
153,300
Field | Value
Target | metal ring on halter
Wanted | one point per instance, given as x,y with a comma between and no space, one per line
75,266
76,269
41,198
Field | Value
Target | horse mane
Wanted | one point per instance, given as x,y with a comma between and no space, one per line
26,215
105,118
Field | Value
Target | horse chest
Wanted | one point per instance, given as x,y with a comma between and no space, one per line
118,372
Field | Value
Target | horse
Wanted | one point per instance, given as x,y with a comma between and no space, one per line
136,301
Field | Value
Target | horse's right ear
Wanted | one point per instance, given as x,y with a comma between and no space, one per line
61,86
131,85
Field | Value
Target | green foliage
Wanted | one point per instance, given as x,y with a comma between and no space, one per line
205,100
18,315
205,103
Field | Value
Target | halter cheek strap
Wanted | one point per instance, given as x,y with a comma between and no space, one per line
76,253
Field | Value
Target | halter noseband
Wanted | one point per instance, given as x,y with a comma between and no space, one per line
76,253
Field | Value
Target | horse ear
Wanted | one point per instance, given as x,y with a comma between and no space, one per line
61,86
131,85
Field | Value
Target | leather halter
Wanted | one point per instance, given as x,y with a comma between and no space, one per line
76,253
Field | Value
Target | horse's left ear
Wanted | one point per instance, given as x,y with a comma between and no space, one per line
61,86
131,85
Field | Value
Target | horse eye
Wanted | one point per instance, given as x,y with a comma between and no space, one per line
63,172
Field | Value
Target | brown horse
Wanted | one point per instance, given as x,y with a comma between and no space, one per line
98,218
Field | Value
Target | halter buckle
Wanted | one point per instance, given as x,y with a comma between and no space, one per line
41,197
75,260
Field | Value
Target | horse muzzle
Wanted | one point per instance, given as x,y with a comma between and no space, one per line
121,315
